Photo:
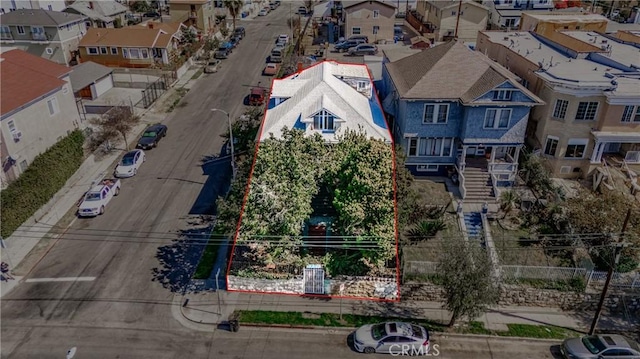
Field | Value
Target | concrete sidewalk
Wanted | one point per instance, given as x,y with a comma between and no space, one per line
31,241
205,311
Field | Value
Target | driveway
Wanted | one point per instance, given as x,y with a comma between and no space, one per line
109,281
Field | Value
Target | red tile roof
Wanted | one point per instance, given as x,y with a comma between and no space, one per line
26,77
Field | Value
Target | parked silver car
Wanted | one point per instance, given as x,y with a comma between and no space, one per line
604,346
392,338
363,49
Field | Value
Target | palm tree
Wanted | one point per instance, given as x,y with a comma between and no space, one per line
508,201
234,7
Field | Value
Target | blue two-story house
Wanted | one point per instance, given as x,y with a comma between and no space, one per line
457,113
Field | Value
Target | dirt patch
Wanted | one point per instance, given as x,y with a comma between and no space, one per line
432,193
514,249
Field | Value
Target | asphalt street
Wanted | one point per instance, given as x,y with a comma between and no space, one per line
106,286
131,287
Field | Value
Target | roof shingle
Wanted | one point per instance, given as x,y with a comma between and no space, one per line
26,77
39,17
133,36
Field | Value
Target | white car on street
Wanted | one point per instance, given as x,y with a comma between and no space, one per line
130,163
97,198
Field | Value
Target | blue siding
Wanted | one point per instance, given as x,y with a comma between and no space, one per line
516,95
415,112
474,123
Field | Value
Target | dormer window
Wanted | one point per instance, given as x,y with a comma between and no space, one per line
324,121
362,85
502,95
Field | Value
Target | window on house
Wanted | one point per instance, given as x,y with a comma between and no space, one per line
510,23
103,50
134,53
355,31
50,7
125,53
430,146
376,29
23,166
497,118
551,146
525,83
376,14
362,85
92,50
20,30
52,103
502,95
324,121
587,111
12,126
631,114
144,53
435,113
560,109
5,29
576,148
65,90
114,51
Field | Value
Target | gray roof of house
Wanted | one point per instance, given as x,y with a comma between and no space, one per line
449,71
39,17
102,10
87,73
443,4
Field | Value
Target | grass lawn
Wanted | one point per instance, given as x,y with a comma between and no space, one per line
513,252
209,256
350,320
431,193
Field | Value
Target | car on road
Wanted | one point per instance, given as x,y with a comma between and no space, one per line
603,346
302,10
362,38
129,164
212,66
398,33
277,54
263,12
97,198
152,14
151,136
391,338
271,69
273,6
257,96
234,41
239,31
222,53
282,40
363,49
346,45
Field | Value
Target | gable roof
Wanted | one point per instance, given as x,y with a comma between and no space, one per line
352,4
449,71
87,73
445,4
39,17
102,10
322,87
26,77
132,36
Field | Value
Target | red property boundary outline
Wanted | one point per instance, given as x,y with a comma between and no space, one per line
395,198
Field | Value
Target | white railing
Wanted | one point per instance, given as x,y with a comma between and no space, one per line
514,272
503,167
494,184
463,190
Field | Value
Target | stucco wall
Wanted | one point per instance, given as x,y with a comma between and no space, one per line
611,119
361,15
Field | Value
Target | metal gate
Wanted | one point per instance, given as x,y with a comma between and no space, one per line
314,279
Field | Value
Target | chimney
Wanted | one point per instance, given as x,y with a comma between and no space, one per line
91,5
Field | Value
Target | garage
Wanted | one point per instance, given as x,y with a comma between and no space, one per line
90,80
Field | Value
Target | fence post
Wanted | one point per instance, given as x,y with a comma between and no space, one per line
589,277
635,281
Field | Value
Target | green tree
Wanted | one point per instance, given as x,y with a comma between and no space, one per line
508,200
234,7
140,6
465,273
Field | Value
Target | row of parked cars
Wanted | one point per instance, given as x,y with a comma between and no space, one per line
226,47
357,45
99,195
267,9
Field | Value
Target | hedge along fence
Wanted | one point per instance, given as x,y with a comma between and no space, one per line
45,176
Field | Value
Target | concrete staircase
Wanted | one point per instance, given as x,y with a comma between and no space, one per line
478,184
473,223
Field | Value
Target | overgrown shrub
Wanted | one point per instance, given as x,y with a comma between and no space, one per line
45,176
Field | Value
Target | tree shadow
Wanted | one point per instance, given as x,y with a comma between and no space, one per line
179,260
217,168
610,322
385,309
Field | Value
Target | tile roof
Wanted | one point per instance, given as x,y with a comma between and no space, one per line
27,77
449,71
324,86
87,73
134,36
39,17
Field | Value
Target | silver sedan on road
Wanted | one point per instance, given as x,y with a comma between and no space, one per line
605,346
395,338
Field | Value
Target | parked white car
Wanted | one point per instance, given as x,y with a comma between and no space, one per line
98,197
283,39
130,163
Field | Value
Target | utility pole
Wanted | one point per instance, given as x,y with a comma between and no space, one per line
455,35
616,255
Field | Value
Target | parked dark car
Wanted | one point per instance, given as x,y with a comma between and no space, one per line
362,38
363,49
222,52
152,136
235,40
346,45
152,14
239,31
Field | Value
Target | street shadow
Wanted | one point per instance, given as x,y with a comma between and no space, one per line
179,260
540,322
218,172
350,341
386,309
320,298
555,352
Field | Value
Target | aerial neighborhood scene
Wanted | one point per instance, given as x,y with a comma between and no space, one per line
320,179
